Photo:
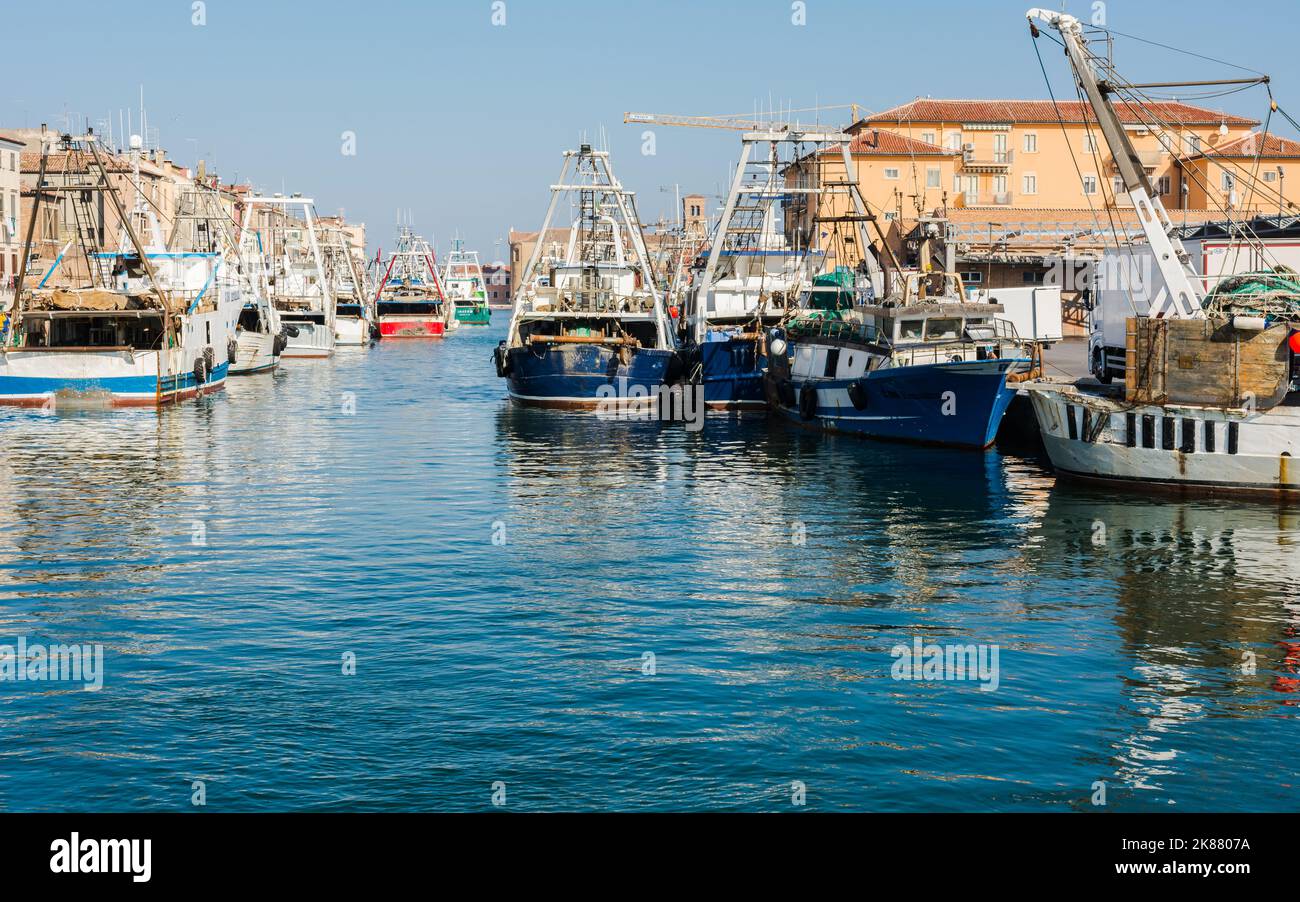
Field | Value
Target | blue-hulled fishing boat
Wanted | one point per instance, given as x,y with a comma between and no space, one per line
923,368
590,325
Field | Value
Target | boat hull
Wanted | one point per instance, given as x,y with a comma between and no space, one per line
110,378
731,371
580,377
314,340
352,331
255,354
474,316
1186,450
958,404
412,325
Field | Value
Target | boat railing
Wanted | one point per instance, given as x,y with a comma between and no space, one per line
825,327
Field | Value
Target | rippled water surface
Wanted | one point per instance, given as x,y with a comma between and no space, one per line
1153,644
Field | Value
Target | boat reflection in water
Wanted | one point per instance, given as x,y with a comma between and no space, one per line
1203,619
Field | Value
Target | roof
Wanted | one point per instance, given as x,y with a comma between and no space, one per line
881,142
78,161
13,139
925,109
1250,146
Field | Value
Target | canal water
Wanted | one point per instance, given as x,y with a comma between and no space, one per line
569,613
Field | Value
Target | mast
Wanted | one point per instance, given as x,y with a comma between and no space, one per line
1183,299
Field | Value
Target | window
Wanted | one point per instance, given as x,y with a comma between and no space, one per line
1029,184
1117,185
1162,185
943,329
956,184
932,176
952,140
889,217
1033,278
1192,144
910,329
1000,154
1089,143
1228,181
1089,184
891,172
972,188
927,137
1000,184
1270,176
1031,142
973,277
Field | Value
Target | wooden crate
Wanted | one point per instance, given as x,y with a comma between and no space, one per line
1204,362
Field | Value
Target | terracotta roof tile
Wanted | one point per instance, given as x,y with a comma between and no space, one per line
1249,146
882,142
925,109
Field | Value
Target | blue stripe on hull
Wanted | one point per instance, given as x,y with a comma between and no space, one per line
576,374
908,403
732,372
118,386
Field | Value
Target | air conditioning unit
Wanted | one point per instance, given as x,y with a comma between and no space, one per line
968,148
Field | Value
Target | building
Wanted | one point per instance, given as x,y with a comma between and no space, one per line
496,278
11,235
1011,192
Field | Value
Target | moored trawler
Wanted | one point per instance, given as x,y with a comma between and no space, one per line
1211,401
594,326
353,321
287,235
928,369
462,279
410,301
757,266
135,326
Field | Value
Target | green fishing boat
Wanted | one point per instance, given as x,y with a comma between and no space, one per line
463,281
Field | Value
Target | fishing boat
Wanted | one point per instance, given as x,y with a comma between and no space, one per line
410,301
288,236
260,338
353,320
1210,402
919,363
136,326
752,276
594,326
462,279
924,366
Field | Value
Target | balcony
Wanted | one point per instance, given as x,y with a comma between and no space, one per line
989,199
997,161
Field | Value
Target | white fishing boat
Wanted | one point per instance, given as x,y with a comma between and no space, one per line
260,338
1210,401
140,325
300,290
353,313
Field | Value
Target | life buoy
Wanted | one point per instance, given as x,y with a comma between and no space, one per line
858,395
807,401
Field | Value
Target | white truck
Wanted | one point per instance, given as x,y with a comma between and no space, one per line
1123,278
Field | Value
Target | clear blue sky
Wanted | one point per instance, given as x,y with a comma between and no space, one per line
463,122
